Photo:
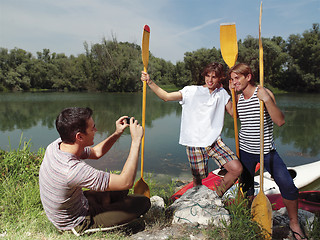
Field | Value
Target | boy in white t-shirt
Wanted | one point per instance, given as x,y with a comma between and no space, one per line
203,109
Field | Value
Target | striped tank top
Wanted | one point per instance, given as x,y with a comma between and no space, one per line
249,135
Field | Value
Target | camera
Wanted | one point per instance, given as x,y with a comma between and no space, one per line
128,120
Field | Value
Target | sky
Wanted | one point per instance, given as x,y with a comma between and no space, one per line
176,26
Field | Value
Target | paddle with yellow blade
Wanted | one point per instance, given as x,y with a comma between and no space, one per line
261,209
229,52
141,186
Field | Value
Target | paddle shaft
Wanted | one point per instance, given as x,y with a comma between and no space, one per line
261,144
144,98
261,105
235,123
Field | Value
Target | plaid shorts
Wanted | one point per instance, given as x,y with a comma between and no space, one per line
199,156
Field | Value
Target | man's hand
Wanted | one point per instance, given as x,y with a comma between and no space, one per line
263,94
103,147
121,125
136,130
231,85
270,102
128,174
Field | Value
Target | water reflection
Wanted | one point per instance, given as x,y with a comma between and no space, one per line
34,115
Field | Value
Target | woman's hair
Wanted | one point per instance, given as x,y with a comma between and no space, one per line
244,69
71,121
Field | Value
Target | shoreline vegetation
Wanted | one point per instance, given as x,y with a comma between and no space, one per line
22,215
110,66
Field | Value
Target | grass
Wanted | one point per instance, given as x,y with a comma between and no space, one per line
22,215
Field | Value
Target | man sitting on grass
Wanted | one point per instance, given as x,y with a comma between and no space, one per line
63,175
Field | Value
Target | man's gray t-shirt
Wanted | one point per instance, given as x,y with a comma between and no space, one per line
61,179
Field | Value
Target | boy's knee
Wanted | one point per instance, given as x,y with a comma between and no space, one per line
235,168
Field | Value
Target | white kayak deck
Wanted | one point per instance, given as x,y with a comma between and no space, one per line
303,175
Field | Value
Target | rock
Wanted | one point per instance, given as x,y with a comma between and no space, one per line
198,205
280,229
156,211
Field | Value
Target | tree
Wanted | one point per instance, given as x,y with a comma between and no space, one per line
161,70
14,69
196,61
249,54
4,67
182,75
115,66
305,53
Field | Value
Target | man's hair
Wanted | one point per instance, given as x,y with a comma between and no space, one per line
244,69
215,67
71,121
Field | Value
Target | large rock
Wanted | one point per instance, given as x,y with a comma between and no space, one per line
280,229
192,200
156,211
199,205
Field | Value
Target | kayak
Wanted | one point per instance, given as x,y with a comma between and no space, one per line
302,176
212,182
308,200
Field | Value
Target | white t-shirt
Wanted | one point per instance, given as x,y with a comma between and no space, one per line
202,115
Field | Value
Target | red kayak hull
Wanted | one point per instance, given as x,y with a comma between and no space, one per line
308,200
211,182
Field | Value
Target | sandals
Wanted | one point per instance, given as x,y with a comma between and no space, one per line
296,233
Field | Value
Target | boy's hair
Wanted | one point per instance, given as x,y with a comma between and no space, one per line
71,121
244,69
215,67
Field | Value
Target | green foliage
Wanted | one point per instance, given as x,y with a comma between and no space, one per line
241,225
115,66
19,188
305,63
161,71
20,164
315,228
163,190
196,61
182,75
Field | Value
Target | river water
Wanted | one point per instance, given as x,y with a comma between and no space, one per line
31,116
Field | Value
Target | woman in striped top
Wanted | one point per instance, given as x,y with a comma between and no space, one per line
248,107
